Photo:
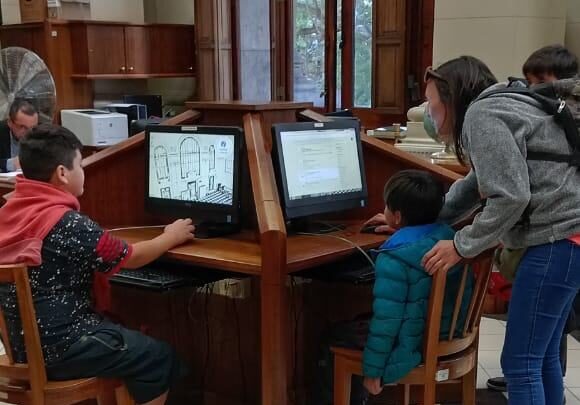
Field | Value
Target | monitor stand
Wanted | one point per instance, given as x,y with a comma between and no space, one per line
307,225
208,230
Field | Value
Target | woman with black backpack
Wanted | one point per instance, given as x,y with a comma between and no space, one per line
497,134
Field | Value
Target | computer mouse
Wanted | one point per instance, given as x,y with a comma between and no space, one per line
368,229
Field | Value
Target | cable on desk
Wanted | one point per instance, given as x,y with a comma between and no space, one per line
128,228
361,250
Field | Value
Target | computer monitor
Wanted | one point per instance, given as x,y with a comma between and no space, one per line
320,167
154,103
194,172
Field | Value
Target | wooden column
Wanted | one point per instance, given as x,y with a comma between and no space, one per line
213,26
274,302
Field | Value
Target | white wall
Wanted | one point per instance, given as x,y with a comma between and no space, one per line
503,33
10,11
573,26
169,11
118,10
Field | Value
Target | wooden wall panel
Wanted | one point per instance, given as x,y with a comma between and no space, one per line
213,25
281,34
390,79
69,93
389,56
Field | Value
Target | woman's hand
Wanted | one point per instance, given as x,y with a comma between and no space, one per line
373,385
442,256
380,222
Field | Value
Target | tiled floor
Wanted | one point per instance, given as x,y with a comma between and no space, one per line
491,342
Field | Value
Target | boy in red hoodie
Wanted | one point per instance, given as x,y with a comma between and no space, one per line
67,254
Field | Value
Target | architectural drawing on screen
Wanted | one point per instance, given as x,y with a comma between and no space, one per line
193,167
161,163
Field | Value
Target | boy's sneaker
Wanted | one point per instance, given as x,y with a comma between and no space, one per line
497,384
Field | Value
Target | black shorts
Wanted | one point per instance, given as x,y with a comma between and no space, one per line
147,366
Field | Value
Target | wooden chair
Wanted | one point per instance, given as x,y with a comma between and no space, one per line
452,360
27,383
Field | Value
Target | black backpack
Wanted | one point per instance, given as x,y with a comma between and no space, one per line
561,99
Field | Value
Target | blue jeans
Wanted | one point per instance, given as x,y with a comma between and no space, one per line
546,284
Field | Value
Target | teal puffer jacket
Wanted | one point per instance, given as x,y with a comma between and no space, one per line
401,296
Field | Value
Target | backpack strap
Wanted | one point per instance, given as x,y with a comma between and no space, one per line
562,116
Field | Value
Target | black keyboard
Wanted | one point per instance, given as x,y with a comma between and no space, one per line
355,269
161,279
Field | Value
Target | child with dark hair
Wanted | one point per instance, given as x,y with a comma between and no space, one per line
68,255
394,345
553,62
413,200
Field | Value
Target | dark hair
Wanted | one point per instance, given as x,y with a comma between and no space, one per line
46,147
459,82
416,194
21,105
552,59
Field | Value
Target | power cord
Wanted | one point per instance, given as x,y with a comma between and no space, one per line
128,228
357,247
240,356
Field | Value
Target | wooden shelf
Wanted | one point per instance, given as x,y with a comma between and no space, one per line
130,76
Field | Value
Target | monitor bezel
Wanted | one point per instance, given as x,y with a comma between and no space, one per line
316,205
178,208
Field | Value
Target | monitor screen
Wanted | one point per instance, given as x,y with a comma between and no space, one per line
193,171
154,103
320,167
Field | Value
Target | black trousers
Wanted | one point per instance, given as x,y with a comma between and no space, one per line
147,366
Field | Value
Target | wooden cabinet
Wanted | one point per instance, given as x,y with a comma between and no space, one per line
136,50
172,49
29,36
100,49
109,50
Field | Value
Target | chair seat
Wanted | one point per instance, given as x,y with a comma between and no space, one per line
449,368
55,391
78,390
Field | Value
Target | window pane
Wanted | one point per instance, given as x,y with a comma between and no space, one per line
309,51
363,41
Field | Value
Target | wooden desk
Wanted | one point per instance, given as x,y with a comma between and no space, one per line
306,251
114,197
241,252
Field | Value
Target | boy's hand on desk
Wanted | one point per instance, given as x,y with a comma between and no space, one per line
380,222
373,385
180,231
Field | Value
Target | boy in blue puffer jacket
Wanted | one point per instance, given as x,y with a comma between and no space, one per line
402,288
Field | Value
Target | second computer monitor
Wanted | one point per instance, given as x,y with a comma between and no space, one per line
154,103
320,167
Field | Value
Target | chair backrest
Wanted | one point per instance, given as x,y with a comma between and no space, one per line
433,347
33,373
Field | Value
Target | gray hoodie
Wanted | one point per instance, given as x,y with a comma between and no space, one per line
498,133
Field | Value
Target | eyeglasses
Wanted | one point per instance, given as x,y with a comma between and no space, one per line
431,73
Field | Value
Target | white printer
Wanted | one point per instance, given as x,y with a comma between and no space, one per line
96,127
